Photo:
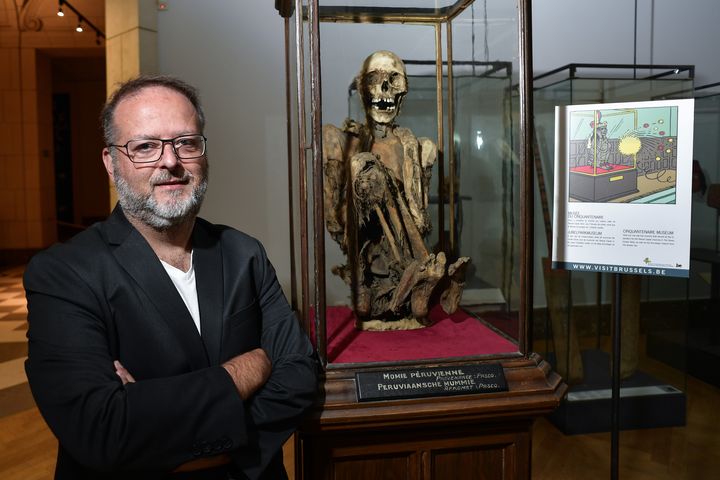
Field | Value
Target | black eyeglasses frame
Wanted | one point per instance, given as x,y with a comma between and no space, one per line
125,151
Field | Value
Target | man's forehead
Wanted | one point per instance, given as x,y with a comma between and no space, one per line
158,91
155,112
154,99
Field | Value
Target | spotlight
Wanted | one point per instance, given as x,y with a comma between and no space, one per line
82,22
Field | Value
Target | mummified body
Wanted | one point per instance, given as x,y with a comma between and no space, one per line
376,197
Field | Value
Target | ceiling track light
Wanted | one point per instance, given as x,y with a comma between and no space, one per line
83,22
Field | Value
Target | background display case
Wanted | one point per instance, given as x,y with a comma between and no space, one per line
477,112
574,330
691,341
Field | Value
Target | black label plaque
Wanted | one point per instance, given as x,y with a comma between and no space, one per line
430,382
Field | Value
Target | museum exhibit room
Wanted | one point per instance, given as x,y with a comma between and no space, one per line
497,222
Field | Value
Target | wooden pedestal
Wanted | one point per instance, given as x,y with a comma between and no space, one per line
481,436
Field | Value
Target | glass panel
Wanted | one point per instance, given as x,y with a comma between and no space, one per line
707,154
702,344
390,6
382,11
475,139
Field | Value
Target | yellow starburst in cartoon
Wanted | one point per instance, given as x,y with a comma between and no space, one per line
629,145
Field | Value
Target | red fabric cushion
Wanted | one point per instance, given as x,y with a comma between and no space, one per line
456,335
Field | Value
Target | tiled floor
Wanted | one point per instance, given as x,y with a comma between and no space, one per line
14,391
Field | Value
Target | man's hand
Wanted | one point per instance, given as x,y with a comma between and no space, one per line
249,371
123,373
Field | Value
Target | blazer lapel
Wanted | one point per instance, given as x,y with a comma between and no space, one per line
207,258
138,259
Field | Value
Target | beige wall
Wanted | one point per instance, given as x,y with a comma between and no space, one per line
27,192
13,224
27,219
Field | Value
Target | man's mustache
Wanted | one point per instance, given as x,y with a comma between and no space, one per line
165,176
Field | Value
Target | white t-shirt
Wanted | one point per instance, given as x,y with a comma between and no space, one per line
185,284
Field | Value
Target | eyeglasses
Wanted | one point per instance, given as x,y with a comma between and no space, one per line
149,150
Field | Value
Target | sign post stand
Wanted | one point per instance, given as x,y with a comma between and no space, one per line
622,202
615,411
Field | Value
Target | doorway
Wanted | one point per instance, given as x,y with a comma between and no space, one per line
78,90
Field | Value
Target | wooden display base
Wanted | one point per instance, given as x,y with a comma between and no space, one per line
460,437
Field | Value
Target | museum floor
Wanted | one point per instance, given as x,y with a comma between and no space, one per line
691,452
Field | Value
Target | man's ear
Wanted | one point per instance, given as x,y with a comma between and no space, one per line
108,162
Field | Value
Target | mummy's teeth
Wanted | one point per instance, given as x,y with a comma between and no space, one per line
382,104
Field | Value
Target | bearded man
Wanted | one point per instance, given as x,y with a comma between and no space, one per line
161,345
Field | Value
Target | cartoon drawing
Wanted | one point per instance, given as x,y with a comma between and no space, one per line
598,145
623,155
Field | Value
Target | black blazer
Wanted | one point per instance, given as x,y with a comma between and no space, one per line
105,296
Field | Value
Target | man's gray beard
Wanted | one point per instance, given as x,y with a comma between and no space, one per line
145,207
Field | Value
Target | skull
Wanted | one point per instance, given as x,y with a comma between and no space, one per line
382,84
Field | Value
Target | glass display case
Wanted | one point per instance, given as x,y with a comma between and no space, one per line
706,170
409,153
466,108
691,341
574,329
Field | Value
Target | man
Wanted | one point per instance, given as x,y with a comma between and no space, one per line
160,345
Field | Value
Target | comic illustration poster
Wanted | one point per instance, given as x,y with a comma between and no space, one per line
623,175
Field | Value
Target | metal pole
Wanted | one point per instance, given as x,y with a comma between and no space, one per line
598,309
441,136
527,207
291,205
302,169
615,408
453,251
317,185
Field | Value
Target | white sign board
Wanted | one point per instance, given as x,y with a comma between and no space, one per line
623,174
